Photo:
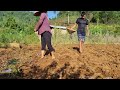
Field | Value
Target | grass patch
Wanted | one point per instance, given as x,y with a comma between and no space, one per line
98,34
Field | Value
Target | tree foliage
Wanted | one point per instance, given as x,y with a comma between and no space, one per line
105,17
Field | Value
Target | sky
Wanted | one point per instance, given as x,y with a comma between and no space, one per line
51,14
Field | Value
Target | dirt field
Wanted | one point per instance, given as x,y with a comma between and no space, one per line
96,62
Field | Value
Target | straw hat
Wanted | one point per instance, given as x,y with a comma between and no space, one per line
37,13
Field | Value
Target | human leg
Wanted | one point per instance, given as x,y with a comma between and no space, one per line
48,43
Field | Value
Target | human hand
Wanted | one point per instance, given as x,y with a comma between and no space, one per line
35,30
71,29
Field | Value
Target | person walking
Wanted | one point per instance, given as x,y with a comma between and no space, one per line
43,29
82,24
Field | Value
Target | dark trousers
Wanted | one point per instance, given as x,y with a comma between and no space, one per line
46,40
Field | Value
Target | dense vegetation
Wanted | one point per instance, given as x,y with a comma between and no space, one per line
104,25
105,17
17,26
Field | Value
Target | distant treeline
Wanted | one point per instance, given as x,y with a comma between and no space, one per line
104,17
18,26
17,19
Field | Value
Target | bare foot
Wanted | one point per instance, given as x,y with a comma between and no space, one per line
42,53
42,57
80,51
52,53
53,57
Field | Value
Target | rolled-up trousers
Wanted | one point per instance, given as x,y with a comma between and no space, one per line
46,40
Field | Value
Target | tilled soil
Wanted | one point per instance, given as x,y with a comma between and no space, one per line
96,62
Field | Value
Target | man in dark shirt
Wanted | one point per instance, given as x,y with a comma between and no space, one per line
82,23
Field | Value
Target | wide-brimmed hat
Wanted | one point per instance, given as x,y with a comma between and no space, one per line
37,13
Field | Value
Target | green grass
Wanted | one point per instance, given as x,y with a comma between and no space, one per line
11,35
98,34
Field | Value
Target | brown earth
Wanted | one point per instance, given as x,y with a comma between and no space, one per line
96,62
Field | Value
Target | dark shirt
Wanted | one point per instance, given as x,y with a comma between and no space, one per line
82,22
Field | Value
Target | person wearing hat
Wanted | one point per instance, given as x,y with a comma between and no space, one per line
44,30
82,24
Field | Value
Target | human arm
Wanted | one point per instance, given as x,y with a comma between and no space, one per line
39,23
74,26
87,29
77,22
